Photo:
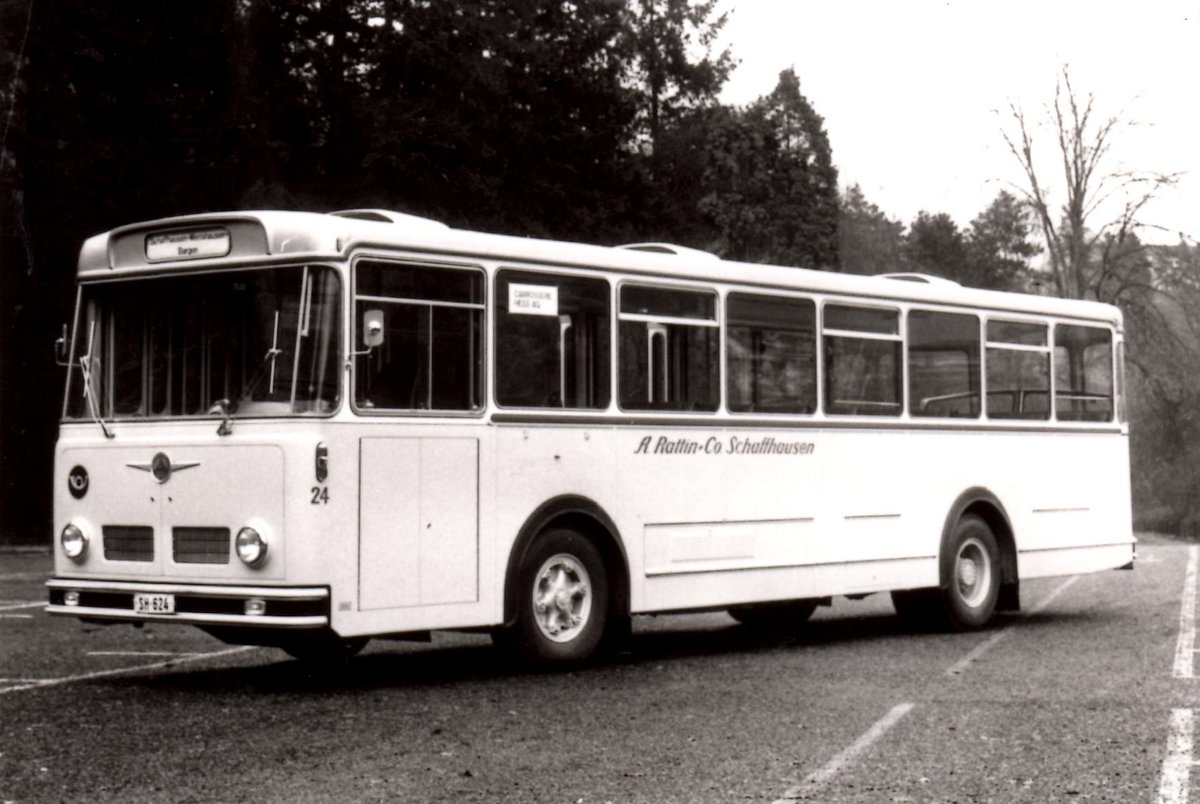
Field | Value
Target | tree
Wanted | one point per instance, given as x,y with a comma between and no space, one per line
936,246
772,187
119,112
1091,230
512,117
998,246
1162,344
869,242
673,66
1088,186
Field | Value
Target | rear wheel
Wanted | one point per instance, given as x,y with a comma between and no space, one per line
970,575
970,582
786,614
562,601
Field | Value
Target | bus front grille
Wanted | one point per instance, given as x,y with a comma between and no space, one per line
128,543
200,545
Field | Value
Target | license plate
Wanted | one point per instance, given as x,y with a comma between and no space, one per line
154,604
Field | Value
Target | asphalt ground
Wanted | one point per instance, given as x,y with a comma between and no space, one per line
1088,694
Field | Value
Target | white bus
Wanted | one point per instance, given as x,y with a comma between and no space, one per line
308,430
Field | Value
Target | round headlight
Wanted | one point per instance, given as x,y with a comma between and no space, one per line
251,547
74,542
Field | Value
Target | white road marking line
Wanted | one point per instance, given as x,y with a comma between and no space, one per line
1185,648
24,576
962,664
959,667
818,779
56,682
16,616
1177,766
26,605
140,653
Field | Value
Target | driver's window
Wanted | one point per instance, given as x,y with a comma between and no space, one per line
431,356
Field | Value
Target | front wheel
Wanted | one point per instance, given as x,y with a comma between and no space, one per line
562,601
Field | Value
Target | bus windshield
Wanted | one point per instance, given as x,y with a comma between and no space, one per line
247,343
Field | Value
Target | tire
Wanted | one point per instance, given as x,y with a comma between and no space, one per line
562,602
970,583
970,570
774,616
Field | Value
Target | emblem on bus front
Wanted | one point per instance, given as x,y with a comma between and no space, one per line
161,467
77,482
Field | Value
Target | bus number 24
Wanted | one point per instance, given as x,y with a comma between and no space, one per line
320,495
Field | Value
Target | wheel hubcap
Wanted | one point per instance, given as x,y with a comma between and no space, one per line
562,599
973,572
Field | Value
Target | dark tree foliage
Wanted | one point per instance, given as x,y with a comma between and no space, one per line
491,114
994,253
514,117
772,188
670,80
1158,290
121,113
999,248
675,76
669,210
936,246
869,242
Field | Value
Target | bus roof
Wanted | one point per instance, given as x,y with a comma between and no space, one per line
270,235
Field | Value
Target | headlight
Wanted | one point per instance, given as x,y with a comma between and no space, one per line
251,547
74,542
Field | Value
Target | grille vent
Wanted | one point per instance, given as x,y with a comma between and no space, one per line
200,545
128,542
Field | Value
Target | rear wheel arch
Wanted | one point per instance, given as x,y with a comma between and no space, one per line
984,504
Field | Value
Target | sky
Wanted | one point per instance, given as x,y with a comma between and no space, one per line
915,93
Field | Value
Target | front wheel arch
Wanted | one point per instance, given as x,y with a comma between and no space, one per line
563,602
582,515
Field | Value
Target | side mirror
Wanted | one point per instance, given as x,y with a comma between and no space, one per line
62,348
372,328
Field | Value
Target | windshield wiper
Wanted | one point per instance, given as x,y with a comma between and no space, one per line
225,408
89,393
265,368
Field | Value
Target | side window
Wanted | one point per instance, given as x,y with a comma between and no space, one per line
943,364
1083,373
552,341
771,354
431,357
669,349
1018,371
863,372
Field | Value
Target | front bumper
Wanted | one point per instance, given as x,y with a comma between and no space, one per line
195,604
